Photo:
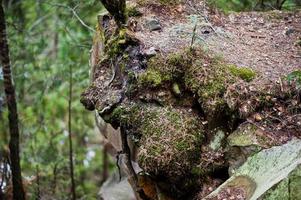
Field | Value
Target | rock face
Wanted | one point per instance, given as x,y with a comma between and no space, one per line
264,170
191,120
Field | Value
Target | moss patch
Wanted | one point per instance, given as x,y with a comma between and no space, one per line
208,77
242,72
161,71
205,76
166,136
116,44
152,78
289,188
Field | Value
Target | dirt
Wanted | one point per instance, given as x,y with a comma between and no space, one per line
263,41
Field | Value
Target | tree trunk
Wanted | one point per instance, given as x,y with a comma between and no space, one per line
71,166
18,190
279,4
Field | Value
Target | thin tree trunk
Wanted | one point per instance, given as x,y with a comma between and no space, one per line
279,4
18,190
70,137
262,4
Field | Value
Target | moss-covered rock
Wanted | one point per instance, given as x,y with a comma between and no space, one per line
161,71
266,169
247,135
169,139
289,188
205,76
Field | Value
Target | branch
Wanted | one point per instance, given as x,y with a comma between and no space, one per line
73,12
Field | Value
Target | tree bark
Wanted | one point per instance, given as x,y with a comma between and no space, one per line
279,4
71,166
18,190
117,9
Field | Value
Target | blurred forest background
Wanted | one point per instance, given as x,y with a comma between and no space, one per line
49,44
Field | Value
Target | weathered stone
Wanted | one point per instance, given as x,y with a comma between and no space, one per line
153,24
287,189
265,169
151,52
248,135
115,189
216,143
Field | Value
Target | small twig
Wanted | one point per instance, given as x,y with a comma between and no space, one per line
73,12
114,73
276,118
193,35
281,84
37,22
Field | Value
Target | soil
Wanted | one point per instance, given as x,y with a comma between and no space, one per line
263,41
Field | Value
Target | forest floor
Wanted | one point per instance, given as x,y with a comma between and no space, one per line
267,42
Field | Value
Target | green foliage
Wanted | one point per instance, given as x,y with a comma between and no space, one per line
295,76
249,5
43,48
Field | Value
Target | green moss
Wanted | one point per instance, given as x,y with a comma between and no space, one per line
116,44
208,78
175,59
176,89
151,78
295,183
288,188
99,35
198,171
242,72
182,145
157,74
155,151
298,42
166,136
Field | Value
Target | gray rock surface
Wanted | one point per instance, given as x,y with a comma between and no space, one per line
264,170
